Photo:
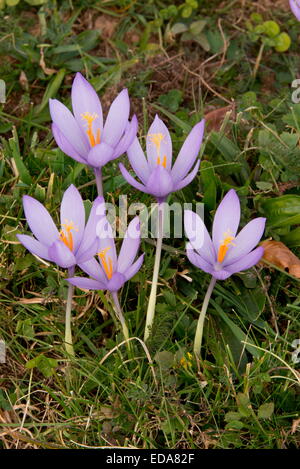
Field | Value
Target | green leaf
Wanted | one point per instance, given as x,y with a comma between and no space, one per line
197,26
51,90
281,211
179,28
36,2
165,359
23,171
25,328
44,364
171,100
266,410
230,416
12,3
271,28
234,425
283,42
244,404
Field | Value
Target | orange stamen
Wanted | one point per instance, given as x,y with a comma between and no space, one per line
66,236
89,118
224,246
106,264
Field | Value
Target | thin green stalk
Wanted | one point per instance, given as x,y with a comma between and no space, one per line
152,298
68,331
98,176
199,330
120,315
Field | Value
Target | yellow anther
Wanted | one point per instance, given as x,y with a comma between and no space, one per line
156,139
89,118
164,161
106,263
66,236
224,246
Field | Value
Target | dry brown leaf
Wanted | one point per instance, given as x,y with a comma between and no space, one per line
215,118
279,254
295,425
46,70
107,25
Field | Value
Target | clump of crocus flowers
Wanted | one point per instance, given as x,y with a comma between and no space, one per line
90,244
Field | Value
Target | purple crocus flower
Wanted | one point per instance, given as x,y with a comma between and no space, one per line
110,272
82,135
75,242
226,253
156,173
295,7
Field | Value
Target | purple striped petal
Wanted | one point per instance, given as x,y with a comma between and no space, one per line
188,153
184,182
130,246
117,119
138,161
131,180
99,155
227,218
159,183
127,139
65,145
116,282
85,100
68,126
34,246
246,240
94,270
89,236
72,212
39,221
247,261
199,237
134,268
295,7
198,261
159,144
86,283
61,255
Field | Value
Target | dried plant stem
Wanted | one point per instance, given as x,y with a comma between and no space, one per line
152,298
98,176
199,330
68,331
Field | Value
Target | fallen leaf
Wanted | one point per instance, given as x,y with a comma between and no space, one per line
46,70
23,81
279,254
295,425
215,118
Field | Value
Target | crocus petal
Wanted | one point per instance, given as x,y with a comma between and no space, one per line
117,119
85,101
184,182
138,161
188,152
198,235
68,126
221,274
247,261
295,7
94,270
227,218
39,221
116,282
100,154
107,242
130,246
34,246
134,268
131,180
159,183
65,145
72,211
61,255
159,133
86,283
127,139
198,261
89,253
89,236
245,241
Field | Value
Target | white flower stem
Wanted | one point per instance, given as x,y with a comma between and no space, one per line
152,298
120,315
68,332
98,176
199,330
